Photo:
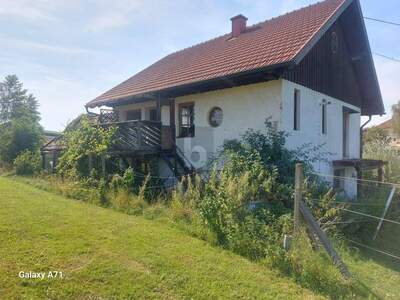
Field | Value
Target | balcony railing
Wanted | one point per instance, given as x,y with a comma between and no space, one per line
136,136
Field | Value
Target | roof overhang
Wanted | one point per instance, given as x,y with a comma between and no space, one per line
247,77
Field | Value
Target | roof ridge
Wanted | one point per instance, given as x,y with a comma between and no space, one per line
250,27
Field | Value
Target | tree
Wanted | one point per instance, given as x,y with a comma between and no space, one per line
82,139
396,118
19,120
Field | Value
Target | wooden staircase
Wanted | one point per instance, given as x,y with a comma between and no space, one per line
177,162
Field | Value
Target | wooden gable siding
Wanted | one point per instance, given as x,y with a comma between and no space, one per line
327,72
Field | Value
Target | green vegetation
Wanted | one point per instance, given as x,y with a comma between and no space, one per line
106,254
19,120
62,227
27,163
82,141
246,207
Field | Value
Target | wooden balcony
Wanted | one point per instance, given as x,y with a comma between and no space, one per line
140,137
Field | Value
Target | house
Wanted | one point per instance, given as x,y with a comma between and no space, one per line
310,71
394,138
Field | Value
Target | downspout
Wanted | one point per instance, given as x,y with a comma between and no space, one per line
361,135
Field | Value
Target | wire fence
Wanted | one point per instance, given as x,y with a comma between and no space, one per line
371,187
372,197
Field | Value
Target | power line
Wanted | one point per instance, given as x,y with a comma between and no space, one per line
353,179
367,215
348,203
382,21
387,57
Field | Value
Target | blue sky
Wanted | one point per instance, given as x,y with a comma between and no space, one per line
67,52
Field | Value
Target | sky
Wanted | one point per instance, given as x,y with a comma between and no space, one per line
67,52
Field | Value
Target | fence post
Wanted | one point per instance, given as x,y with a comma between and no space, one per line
298,195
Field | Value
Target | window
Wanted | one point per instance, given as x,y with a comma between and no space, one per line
296,109
186,120
323,117
153,114
215,117
134,115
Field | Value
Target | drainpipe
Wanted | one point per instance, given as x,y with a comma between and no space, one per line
361,135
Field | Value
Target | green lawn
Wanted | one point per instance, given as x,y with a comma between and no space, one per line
105,254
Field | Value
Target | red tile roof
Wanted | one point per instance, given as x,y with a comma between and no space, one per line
386,125
266,44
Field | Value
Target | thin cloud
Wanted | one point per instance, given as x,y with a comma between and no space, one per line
108,21
22,44
23,9
116,14
33,10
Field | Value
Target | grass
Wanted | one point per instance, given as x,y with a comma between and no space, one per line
379,274
106,254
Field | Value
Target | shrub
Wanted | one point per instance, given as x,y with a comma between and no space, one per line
270,146
83,140
27,163
227,207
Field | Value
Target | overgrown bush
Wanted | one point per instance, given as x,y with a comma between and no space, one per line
82,141
271,148
27,163
243,205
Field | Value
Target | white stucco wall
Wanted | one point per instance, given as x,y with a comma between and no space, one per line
144,107
249,106
311,128
243,107
311,123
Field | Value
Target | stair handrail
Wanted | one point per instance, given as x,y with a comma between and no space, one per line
182,155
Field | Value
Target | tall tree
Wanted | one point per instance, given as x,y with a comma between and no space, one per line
396,117
19,119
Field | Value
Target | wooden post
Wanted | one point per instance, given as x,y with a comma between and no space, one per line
380,174
43,160
312,223
139,134
53,169
172,118
158,108
298,196
388,202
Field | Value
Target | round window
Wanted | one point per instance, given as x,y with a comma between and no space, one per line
215,117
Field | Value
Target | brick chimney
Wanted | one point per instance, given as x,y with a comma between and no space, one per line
238,25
